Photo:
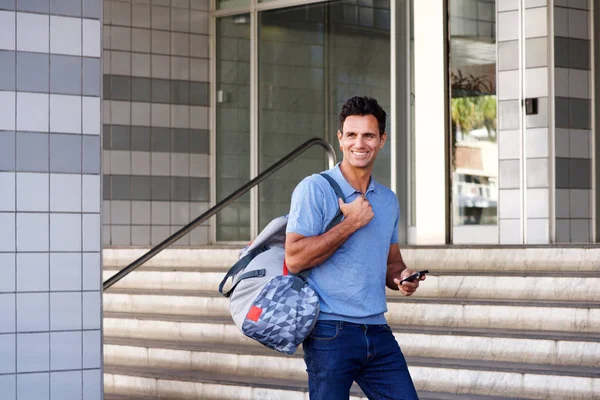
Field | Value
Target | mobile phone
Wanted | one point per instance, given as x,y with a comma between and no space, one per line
414,276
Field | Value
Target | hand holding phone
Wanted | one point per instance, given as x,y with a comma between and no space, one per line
414,276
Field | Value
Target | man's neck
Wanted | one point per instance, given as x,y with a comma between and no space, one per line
358,178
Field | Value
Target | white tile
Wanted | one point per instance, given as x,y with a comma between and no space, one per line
120,13
33,272
7,310
66,352
33,32
34,386
160,165
92,349
537,143
536,82
65,271
140,163
561,21
537,172
140,65
506,22
120,212
537,203
180,213
91,232
508,145
65,35
7,232
510,231
161,18
8,37
120,38
581,230
140,40
180,20
7,110
66,385
32,192
91,116
65,232
140,212
161,115
537,231
32,112
65,113
140,114
509,174
509,204
33,352
140,16
65,311
92,384
180,68
180,44
161,42
160,66
8,349
199,22
579,143
8,185
562,137
65,193
106,42
561,79
7,272
120,162
32,232
579,24
92,310
198,70
579,84
91,193
580,203
161,213
204,4
32,313
563,201
536,22
180,164
180,116
535,3
92,268
120,63
120,112
199,45
106,154
199,117
199,165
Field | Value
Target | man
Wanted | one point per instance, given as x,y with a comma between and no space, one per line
355,261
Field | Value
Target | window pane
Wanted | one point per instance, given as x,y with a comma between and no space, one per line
233,125
223,4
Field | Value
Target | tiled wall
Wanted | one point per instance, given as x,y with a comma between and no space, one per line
156,105
50,259
572,51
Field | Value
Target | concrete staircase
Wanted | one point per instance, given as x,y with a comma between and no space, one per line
486,324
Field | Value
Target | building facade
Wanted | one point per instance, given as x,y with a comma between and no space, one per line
123,120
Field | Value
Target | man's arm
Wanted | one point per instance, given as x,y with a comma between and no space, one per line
307,252
397,270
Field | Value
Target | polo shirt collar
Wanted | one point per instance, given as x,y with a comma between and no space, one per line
347,189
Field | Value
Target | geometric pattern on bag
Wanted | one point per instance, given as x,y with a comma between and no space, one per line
283,314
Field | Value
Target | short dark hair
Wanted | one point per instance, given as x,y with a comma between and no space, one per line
363,105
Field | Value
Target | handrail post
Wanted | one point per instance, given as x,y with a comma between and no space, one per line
332,160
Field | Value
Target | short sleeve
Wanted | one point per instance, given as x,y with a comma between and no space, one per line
395,231
306,211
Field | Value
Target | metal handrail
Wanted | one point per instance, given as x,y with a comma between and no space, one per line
332,159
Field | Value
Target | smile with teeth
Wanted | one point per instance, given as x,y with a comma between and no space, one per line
360,154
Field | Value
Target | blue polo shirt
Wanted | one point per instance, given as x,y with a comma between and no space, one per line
351,283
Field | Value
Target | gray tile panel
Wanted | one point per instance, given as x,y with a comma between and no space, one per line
91,154
32,152
120,187
65,153
579,54
561,52
8,68
580,176
140,138
199,189
562,112
563,173
160,139
7,151
38,6
120,88
106,187
92,9
106,136
180,188
199,94
8,4
34,386
199,141
141,89
32,72
161,188
91,76
180,140
580,114
141,188
71,8
161,91
64,74
121,137
180,92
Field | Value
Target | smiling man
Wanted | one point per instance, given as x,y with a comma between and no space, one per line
352,264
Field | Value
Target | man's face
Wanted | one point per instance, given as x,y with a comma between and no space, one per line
360,140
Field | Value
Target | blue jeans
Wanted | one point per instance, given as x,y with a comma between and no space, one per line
338,353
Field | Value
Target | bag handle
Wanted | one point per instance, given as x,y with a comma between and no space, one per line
238,266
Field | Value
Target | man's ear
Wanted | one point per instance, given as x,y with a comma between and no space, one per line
383,140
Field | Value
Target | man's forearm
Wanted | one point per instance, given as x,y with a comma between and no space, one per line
393,271
309,252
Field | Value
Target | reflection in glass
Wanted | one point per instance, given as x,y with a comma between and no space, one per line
233,125
311,59
473,112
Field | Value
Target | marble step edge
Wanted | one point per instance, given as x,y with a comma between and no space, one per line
274,383
397,328
451,363
473,272
565,258
458,301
